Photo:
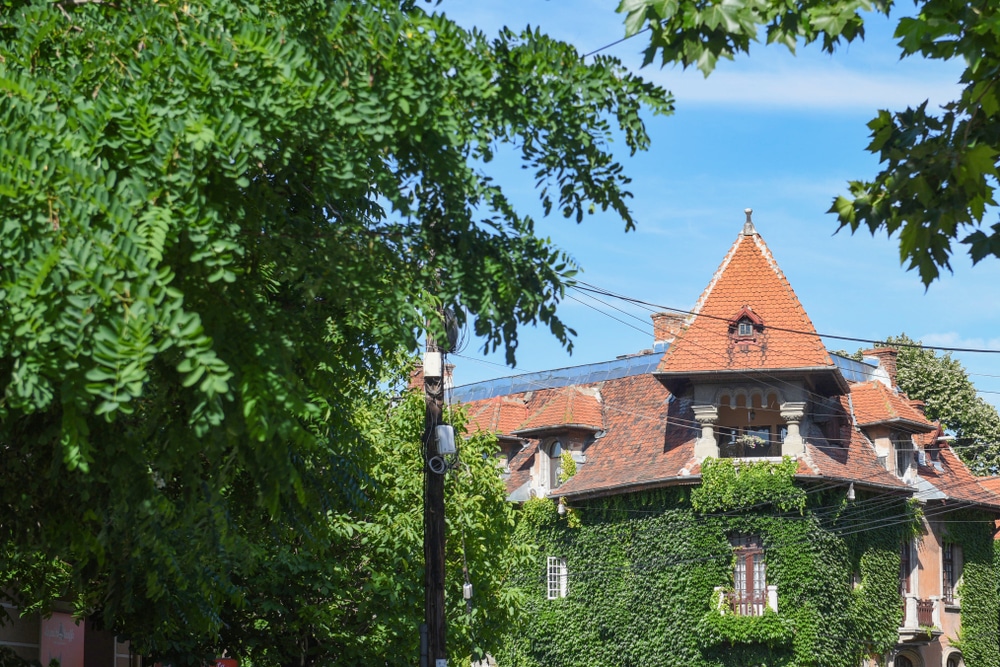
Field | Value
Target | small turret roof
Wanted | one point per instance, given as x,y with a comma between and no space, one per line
749,280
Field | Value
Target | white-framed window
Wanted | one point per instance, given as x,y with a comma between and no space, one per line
749,597
951,571
905,453
558,577
744,328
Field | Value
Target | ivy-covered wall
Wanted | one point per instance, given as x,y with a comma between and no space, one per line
643,569
978,589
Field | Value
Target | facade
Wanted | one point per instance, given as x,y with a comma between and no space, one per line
72,642
739,496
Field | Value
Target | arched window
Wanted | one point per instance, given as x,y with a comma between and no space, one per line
902,661
555,464
955,660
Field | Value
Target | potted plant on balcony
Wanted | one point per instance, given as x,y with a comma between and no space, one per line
750,443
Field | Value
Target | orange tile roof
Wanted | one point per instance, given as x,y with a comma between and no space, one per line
748,277
955,481
520,467
567,406
649,442
501,414
875,403
648,439
848,456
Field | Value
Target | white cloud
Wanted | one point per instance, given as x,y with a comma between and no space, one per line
954,339
807,86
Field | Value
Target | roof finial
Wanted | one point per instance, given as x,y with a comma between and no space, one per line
748,228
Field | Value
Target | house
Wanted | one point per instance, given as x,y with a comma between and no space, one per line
738,495
73,642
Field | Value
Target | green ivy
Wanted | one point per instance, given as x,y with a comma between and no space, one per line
973,532
729,484
644,568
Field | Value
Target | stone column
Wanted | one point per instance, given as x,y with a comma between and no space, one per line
772,597
910,611
706,445
793,444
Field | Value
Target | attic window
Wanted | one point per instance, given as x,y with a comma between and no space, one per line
745,323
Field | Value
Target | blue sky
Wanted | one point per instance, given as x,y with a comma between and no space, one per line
778,133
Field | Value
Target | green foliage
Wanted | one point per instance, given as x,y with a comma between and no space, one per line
729,484
700,33
728,628
973,531
950,396
568,466
643,572
354,586
939,169
222,224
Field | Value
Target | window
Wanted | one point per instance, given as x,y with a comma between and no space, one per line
954,660
949,572
558,575
904,453
902,661
744,328
749,576
555,464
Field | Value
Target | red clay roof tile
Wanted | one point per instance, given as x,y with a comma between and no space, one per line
875,403
574,405
748,278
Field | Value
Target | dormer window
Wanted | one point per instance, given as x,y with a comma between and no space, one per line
905,453
745,324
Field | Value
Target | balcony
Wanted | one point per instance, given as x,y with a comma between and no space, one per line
921,618
748,603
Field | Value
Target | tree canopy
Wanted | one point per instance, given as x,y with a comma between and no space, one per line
223,223
942,382
939,174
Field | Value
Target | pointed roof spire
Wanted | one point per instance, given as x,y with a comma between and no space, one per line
748,228
749,280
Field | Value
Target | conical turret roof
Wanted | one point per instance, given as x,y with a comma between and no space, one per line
748,321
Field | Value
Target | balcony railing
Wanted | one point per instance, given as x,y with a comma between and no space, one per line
925,613
921,618
746,604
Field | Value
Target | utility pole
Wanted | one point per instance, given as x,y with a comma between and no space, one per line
434,524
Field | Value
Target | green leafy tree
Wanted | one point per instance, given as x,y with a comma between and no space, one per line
352,588
939,170
222,223
950,396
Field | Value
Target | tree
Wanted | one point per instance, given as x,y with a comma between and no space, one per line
950,396
223,222
351,591
940,169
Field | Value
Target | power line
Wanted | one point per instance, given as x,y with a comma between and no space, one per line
598,290
616,42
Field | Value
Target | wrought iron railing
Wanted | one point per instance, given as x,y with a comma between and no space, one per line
747,604
925,613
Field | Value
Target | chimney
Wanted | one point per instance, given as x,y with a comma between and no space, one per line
886,360
417,377
666,326
919,406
